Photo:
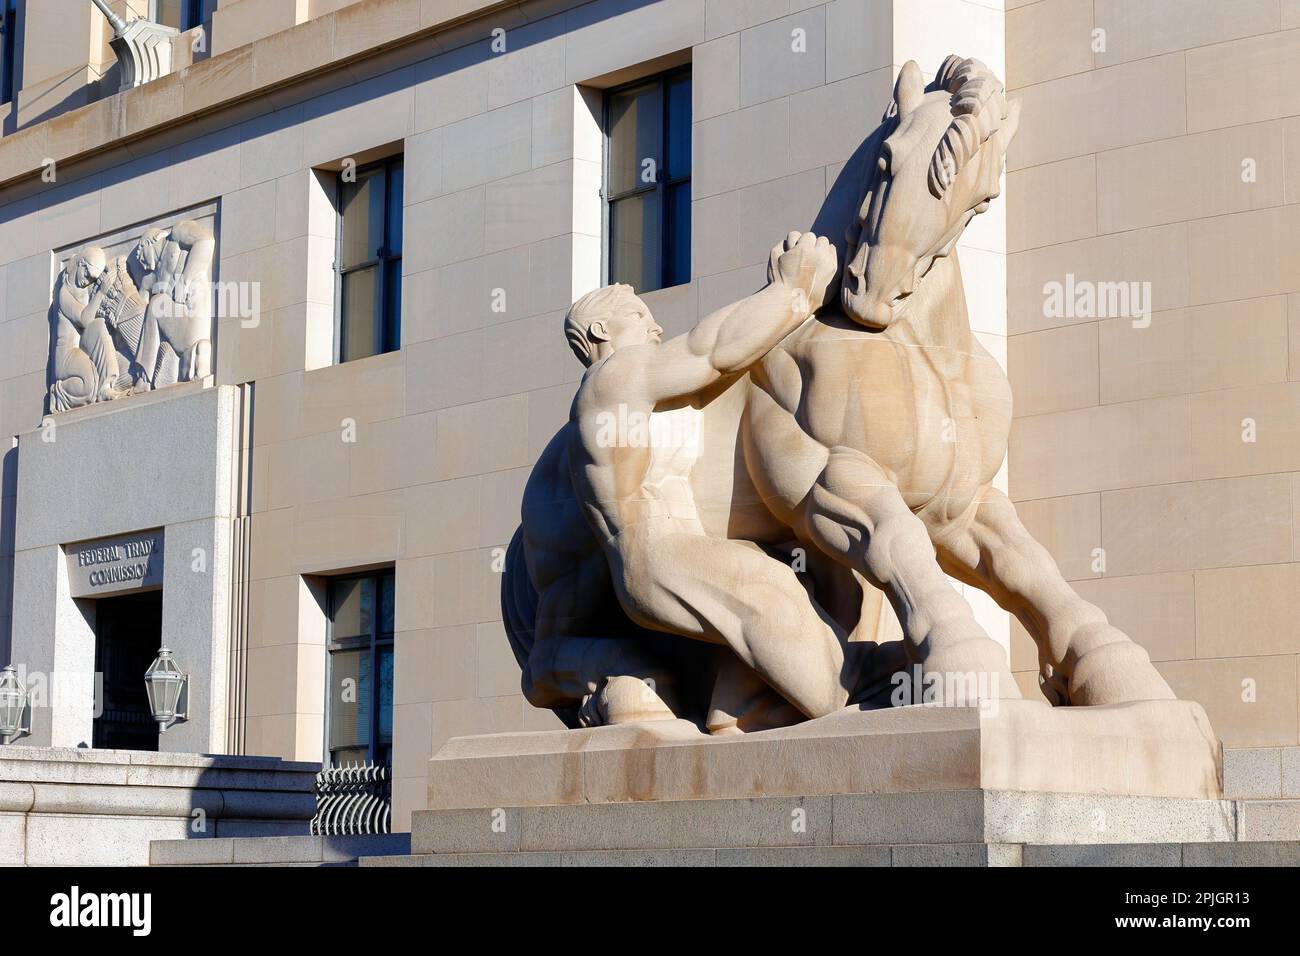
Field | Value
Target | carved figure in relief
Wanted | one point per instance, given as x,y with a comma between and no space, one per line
175,267
86,366
127,324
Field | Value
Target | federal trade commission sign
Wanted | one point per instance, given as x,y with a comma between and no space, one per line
129,562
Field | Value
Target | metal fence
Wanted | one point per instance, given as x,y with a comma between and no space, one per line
353,799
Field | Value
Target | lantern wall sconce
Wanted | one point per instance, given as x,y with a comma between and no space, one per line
166,684
13,706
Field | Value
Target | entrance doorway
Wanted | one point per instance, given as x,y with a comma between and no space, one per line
128,633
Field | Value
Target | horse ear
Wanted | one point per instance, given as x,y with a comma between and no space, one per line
910,88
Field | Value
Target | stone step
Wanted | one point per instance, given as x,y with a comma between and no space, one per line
276,851
933,854
1261,773
948,854
1268,820
943,818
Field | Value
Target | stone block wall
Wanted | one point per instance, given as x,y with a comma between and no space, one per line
1158,457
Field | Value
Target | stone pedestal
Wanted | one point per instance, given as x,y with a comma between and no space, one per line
905,786
1152,748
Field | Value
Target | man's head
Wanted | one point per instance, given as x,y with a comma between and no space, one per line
148,251
606,320
87,266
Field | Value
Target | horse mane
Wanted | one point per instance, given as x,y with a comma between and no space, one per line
978,108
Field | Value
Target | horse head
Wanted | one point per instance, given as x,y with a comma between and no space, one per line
938,167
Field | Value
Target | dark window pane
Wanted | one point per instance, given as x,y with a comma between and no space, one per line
679,126
200,12
393,308
361,204
351,687
386,592
351,607
360,314
635,136
361,678
677,268
395,210
385,695
634,241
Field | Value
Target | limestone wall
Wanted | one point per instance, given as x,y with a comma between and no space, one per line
1165,152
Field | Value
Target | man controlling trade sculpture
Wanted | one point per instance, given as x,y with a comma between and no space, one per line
837,448
133,323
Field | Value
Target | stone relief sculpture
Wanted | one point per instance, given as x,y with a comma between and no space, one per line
711,534
128,324
85,360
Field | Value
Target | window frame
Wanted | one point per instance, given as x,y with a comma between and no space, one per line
388,329
191,14
8,51
375,641
663,184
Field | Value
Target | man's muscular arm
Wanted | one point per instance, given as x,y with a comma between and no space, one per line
732,339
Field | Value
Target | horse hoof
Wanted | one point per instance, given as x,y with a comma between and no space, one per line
1116,673
969,671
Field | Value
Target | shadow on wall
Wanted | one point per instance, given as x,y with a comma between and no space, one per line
8,517
476,50
188,48
331,92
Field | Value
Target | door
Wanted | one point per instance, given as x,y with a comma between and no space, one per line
128,633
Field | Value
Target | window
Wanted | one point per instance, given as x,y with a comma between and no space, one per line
359,711
648,181
8,49
368,263
181,14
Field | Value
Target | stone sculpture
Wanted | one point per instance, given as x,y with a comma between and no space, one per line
127,324
85,367
730,573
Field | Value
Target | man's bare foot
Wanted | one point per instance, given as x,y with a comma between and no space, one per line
623,700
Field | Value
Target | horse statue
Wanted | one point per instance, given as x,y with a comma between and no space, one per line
849,470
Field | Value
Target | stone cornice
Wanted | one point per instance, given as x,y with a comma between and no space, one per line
334,41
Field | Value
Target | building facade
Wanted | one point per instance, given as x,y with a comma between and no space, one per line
282,326
1155,452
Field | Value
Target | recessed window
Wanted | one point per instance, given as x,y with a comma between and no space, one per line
359,711
368,288
648,181
181,14
8,48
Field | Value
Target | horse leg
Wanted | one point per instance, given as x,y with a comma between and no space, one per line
1091,661
742,702
858,516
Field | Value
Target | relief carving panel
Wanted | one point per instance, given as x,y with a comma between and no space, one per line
133,312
